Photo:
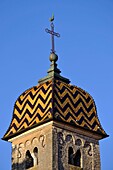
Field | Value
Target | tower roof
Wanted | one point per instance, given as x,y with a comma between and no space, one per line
54,98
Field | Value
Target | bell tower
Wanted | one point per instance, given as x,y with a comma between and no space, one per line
55,124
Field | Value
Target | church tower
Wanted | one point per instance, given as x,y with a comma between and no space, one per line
55,125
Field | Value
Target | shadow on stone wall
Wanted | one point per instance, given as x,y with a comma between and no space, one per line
60,148
19,166
22,166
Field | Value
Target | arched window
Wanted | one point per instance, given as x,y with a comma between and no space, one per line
70,156
35,151
77,158
29,160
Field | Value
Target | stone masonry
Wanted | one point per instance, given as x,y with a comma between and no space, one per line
53,141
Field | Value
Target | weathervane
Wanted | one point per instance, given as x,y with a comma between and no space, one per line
52,33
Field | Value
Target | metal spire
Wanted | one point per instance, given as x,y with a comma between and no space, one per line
53,72
52,33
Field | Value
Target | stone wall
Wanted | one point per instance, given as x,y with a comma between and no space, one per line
89,148
40,138
53,143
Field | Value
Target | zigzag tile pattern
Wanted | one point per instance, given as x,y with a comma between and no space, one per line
32,107
75,106
54,100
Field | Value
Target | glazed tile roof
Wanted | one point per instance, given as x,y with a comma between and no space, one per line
54,100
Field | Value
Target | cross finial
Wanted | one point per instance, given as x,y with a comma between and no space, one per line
52,33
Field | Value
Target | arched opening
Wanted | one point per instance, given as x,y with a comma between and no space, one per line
29,160
77,158
68,138
74,159
78,142
70,156
35,151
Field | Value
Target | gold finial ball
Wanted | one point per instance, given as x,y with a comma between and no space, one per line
53,57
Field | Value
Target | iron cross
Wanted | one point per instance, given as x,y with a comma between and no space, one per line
52,36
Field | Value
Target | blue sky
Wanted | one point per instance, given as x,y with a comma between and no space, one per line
85,51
